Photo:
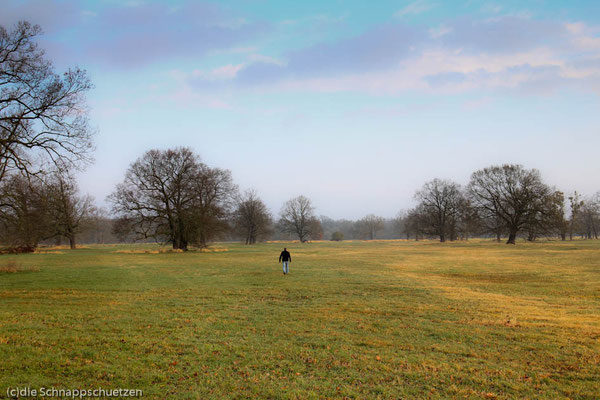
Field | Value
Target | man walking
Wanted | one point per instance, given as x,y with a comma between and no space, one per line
286,259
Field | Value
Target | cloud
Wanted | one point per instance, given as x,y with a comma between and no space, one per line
506,34
375,49
130,35
440,31
504,53
153,32
228,71
417,7
51,16
445,78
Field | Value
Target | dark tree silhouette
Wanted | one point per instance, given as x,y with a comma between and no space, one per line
251,218
68,211
297,217
42,114
170,195
23,213
510,194
440,204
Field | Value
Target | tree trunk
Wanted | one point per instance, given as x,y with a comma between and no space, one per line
180,244
442,237
72,242
498,236
563,237
512,237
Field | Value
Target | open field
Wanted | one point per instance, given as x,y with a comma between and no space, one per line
353,319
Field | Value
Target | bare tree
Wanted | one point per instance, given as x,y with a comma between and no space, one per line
68,211
400,224
549,218
42,114
469,223
590,217
415,223
440,202
170,195
297,217
575,205
510,194
560,221
368,226
214,199
23,213
251,218
315,228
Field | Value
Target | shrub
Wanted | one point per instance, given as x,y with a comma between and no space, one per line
337,236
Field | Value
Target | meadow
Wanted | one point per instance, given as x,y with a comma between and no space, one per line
359,320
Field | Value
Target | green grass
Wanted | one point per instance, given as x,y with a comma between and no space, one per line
353,320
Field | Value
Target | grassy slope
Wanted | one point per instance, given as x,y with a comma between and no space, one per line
362,320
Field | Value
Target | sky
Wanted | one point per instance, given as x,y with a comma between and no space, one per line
353,104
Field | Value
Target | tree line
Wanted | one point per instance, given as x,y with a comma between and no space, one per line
500,201
171,196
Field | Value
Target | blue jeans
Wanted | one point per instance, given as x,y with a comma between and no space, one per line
286,267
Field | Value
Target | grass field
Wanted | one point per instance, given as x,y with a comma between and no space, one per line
353,320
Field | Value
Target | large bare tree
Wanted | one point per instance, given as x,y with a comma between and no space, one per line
440,202
68,211
170,195
42,114
251,218
509,194
297,217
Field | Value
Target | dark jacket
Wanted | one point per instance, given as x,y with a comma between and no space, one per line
285,256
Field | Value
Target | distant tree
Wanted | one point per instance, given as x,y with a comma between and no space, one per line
548,219
337,236
23,213
440,202
590,217
170,195
559,217
68,211
368,226
315,228
469,222
510,194
400,224
98,227
415,223
330,226
575,204
297,217
251,218
123,228
42,113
